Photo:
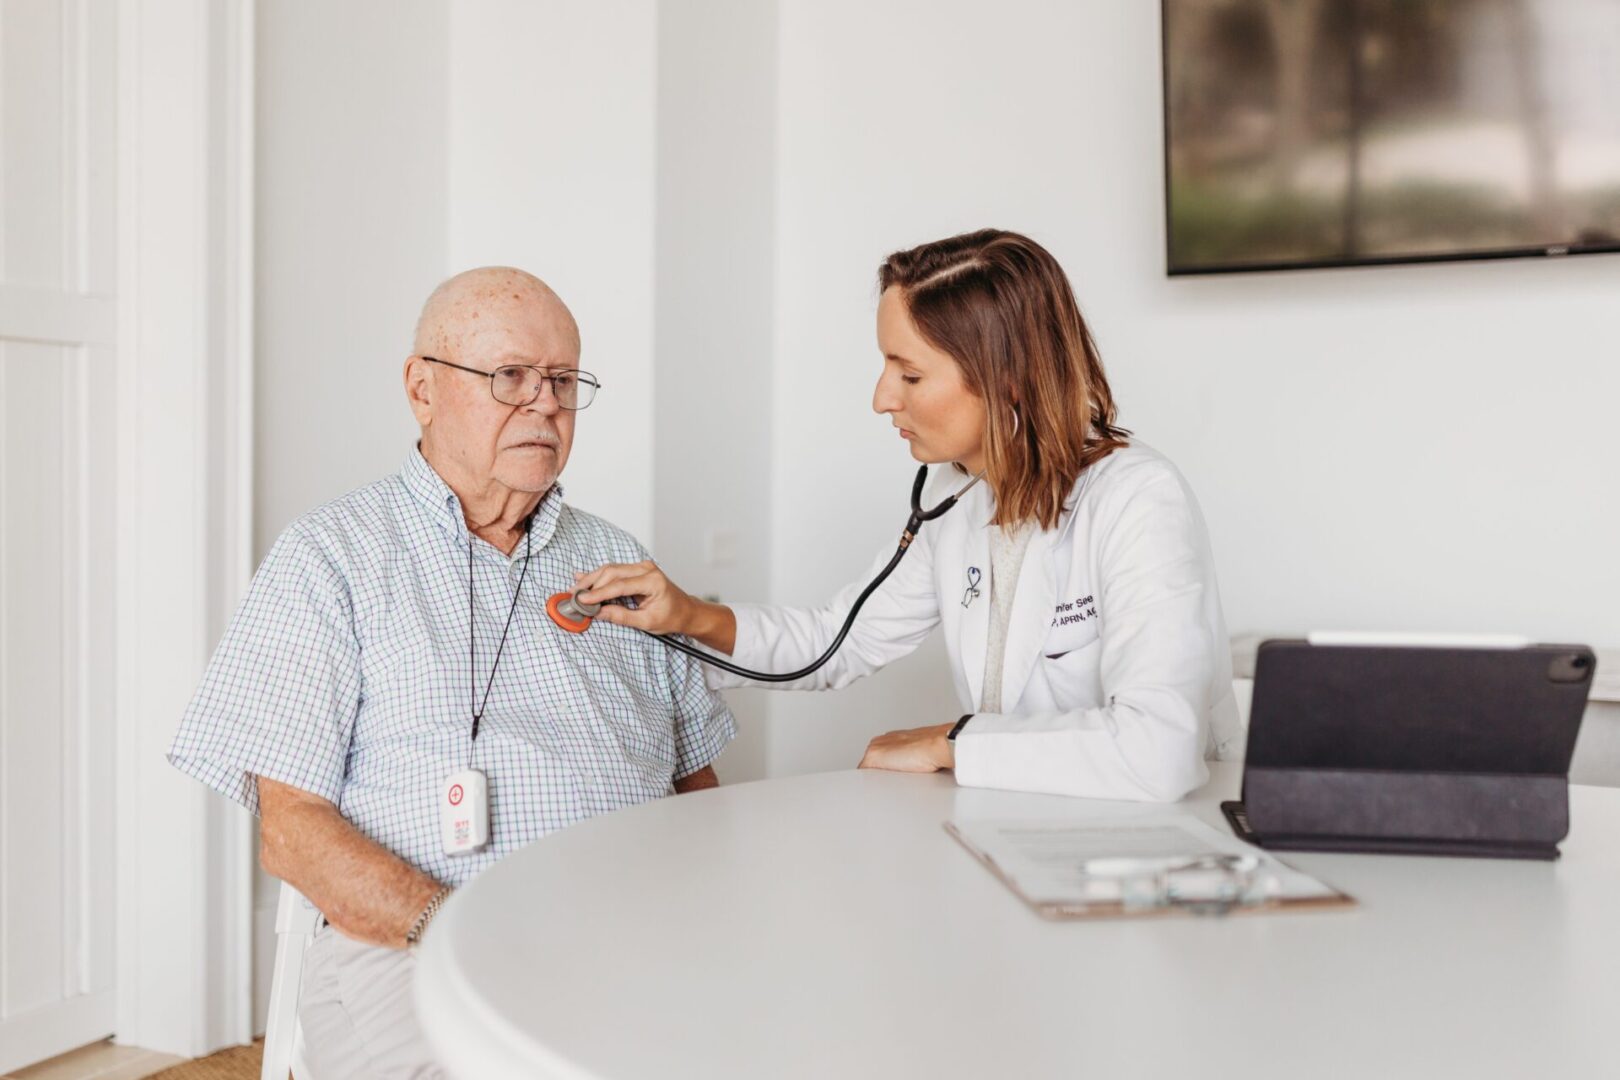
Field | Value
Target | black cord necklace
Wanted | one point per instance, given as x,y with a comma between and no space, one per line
472,636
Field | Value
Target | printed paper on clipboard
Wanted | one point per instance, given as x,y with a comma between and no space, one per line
1043,861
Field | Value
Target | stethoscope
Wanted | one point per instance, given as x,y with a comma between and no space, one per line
571,613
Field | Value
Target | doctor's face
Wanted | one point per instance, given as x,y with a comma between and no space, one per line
923,392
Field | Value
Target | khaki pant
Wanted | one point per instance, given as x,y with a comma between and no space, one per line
357,1015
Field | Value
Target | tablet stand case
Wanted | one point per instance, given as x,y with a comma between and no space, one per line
1429,751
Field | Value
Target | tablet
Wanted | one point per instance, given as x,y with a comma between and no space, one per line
1437,748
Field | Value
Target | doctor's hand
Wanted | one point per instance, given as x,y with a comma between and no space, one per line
923,749
662,607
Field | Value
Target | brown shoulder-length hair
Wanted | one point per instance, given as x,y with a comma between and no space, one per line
1000,305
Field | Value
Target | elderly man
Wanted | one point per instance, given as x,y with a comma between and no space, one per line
392,686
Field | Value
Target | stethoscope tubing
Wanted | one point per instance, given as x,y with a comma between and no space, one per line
913,524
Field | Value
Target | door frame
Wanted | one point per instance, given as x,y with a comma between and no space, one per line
183,513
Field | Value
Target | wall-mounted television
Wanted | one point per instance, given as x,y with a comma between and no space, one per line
1309,133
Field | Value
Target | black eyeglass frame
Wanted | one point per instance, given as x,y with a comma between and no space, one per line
583,376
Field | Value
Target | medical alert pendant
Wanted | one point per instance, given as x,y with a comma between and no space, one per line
464,812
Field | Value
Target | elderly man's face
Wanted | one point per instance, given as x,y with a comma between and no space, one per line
521,447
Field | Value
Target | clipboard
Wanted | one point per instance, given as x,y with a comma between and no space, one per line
1041,861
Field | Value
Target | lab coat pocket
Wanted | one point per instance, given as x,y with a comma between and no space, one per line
1074,676
1067,637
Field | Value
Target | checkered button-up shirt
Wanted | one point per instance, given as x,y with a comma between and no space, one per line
345,673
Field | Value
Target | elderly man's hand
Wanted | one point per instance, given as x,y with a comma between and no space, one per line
662,607
923,749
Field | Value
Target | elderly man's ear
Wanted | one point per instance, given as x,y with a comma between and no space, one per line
419,389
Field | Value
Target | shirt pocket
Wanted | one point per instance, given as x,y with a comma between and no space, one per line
630,693
625,653
397,662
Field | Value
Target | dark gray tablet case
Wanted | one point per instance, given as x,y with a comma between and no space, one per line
1431,751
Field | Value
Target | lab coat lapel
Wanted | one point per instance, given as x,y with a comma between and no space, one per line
1031,617
976,616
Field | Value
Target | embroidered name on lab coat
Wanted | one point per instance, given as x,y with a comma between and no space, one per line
1080,609
1074,624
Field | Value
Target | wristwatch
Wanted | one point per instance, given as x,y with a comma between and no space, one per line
956,729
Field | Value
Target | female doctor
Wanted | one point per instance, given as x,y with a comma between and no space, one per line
1074,585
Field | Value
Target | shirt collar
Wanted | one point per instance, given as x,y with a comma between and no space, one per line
429,489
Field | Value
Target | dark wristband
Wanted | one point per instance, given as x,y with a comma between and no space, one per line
956,730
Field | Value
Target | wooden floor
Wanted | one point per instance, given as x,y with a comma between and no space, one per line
99,1061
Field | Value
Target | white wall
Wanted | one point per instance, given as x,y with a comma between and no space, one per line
551,168
352,126
713,315
400,142
1423,447
352,129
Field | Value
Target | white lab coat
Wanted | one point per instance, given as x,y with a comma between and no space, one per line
1117,678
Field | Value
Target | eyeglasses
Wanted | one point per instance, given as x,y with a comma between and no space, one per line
1212,884
520,384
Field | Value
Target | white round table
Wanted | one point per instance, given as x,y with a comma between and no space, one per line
827,926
